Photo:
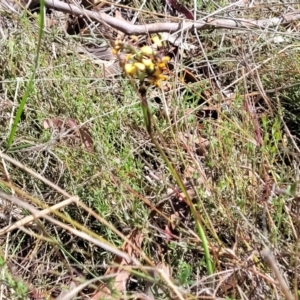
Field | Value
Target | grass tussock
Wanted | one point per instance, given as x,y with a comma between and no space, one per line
226,121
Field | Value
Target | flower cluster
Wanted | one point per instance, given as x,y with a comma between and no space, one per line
117,45
145,63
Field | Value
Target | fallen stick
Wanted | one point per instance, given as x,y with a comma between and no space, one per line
208,23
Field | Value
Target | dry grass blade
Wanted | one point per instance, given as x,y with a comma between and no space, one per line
63,192
38,215
33,173
74,289
103,244
281,282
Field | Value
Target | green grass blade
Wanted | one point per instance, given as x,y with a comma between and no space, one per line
31,81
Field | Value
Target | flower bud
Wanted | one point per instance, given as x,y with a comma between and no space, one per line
157,72
147,62
129,69
157,41
134,38
149,65
147,50
128,57
165,59
161,65
140,66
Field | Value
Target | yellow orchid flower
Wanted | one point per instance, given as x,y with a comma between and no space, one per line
130,69
146,50
157,41
140,66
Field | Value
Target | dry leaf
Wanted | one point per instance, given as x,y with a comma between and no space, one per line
122,275
180,8
194,142
76,131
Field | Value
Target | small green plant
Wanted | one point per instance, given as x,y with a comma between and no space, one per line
17,288
184,273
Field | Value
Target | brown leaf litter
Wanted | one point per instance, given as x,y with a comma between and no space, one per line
121,268
77,133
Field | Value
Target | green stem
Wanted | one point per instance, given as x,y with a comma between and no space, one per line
200,230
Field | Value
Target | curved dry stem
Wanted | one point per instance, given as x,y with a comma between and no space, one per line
209,23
